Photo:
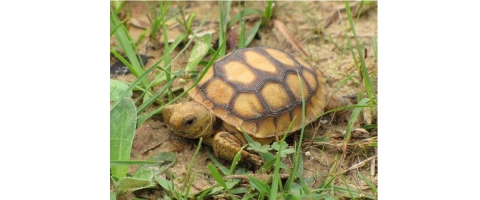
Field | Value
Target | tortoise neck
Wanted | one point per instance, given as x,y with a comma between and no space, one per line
208,130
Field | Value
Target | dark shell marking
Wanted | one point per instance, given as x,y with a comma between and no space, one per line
258,90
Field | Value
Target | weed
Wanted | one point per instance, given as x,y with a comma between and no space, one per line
153,87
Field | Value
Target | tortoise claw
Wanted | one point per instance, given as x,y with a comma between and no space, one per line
226,146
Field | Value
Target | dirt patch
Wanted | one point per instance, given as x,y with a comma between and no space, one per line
319,28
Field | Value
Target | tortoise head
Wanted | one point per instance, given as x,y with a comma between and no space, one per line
189,119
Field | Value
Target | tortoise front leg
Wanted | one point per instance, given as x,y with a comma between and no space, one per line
226,146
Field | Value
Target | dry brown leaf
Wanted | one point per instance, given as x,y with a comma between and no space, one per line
336,14
367,115
200,34
288,36
361,130
139,23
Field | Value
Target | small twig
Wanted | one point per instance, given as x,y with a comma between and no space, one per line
358,165
139,23
151,149
372,165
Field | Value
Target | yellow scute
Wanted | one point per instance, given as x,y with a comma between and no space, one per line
248,105
237,72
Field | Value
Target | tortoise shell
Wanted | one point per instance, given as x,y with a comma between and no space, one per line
258,90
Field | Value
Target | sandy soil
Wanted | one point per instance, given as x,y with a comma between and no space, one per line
319,30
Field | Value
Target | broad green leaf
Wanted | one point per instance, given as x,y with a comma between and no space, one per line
146,174
267,156
123,118
284,148
141,180
296,189
166,184
117,88
256,146
131,183
199,51
257,184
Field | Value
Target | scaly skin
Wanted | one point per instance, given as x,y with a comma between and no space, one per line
193,120
226,146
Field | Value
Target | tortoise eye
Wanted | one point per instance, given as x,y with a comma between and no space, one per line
189,122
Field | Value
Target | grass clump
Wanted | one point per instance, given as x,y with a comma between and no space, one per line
153,89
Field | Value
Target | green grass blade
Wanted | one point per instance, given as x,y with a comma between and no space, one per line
189,187
143,118
154,97
298,153
366,78
217,163
246,12
192,162
134,84
241,40
353,118
369,183
346,186
259,185
236,159
216,175
251,33
222,33
130,162
118,5
166,57
127,45
276,183
267,15
160,78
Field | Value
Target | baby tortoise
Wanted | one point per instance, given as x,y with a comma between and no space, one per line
256,90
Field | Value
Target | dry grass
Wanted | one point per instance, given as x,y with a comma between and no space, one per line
335,163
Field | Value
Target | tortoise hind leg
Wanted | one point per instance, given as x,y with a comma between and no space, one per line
334,101
226,146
